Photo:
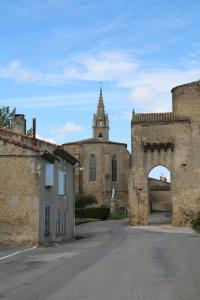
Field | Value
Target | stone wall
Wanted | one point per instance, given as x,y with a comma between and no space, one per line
102,187
19,196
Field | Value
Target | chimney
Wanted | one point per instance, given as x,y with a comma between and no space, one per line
18,123
34,128
34,131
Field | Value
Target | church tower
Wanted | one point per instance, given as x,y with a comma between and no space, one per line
100,121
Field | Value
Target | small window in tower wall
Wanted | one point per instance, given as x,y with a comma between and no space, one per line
100,122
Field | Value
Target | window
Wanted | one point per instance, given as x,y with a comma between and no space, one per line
100,135
114,169
61,183
47,220
92,166
49,174
61,223
100,122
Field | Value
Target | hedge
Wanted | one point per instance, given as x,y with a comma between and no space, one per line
83,200
101,213
196,223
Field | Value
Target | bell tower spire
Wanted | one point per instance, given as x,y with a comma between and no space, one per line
100,120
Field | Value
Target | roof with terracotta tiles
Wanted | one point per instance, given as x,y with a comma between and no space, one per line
18,143
158,118
9,130
36,145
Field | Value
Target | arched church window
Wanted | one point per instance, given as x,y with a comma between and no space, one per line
100,135
114,168
92,167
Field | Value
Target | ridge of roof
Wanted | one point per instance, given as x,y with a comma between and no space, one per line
93,140
19,143
58,149
158,117
150,178
26,136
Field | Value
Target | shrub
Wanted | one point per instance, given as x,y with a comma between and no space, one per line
196,223
101,213
82,200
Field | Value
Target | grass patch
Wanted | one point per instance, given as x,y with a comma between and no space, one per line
117,217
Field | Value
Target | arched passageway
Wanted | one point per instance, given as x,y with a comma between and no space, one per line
159,196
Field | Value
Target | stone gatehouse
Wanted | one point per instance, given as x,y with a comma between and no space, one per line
170,139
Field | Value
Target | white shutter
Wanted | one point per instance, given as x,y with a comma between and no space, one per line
49,172
61,182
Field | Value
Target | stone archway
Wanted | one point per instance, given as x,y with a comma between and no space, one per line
159,196
145,161
153,141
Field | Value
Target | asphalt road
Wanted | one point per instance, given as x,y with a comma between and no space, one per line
109,261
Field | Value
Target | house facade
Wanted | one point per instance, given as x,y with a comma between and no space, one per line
36,189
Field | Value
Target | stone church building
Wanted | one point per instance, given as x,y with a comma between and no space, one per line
105,163
172,140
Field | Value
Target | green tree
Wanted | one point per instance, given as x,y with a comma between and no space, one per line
6,116
29,132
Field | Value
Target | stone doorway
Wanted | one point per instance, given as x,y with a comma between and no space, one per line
159,196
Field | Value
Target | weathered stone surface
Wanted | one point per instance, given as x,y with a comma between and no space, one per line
183,160
19,197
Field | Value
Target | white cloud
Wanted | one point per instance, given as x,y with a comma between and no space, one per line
143,94
71,127
14,70
51,140
111,66
149,88
68,127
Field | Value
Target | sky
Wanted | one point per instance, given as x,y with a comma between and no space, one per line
54,53
159,171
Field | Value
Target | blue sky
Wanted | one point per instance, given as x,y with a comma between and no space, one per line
158,171
54,53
